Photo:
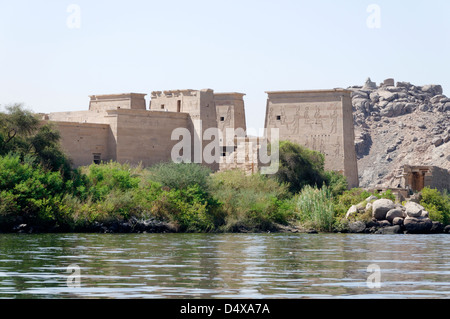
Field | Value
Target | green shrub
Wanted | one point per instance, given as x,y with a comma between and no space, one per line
187,200
253,202
180,175
336,182
106,178
189,209
386,194
351,197
437,204
28,193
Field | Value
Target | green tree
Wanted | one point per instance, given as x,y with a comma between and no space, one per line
300,167
15,126
21,132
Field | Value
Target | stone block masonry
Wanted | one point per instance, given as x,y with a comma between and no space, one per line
119,127
320,120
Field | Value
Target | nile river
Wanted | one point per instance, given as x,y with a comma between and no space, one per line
224,266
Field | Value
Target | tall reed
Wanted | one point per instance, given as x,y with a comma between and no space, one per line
315,207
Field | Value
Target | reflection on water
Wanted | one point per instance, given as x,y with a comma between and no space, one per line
224,265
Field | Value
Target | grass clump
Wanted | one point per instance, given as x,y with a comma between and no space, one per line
253,202
315,208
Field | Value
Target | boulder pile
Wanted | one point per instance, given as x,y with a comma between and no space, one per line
388,217
390,100
396,124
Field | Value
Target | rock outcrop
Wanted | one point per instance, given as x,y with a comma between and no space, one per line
391,218
399,124
381,207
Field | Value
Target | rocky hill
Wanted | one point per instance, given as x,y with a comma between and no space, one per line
397,124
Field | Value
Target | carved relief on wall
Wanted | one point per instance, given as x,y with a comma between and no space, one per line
318,118
305,118
337,148
226,122
283,115
271,119
308,121
334,119
317,142
294,126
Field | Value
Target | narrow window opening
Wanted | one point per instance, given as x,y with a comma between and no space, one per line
178,106
222,119
97,158
224,151
278,117
163,106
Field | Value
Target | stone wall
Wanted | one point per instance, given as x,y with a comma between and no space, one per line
230,115
125,135
440,179
133,101
145,136
97,117
201,108
178,101
320,120
84,141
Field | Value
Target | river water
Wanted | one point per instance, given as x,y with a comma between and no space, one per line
250,266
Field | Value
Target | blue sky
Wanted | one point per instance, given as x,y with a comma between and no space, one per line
243,46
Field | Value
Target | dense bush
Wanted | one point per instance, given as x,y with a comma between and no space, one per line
192,206
180,175
251,202
191,199
107,193
28,192
437,204
119,192
336,182
300,167
101,180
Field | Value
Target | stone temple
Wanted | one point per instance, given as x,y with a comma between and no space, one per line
321,120
121,128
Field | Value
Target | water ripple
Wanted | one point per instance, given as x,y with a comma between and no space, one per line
224,266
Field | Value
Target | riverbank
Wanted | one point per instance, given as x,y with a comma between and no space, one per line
153,226
149,226
181,198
